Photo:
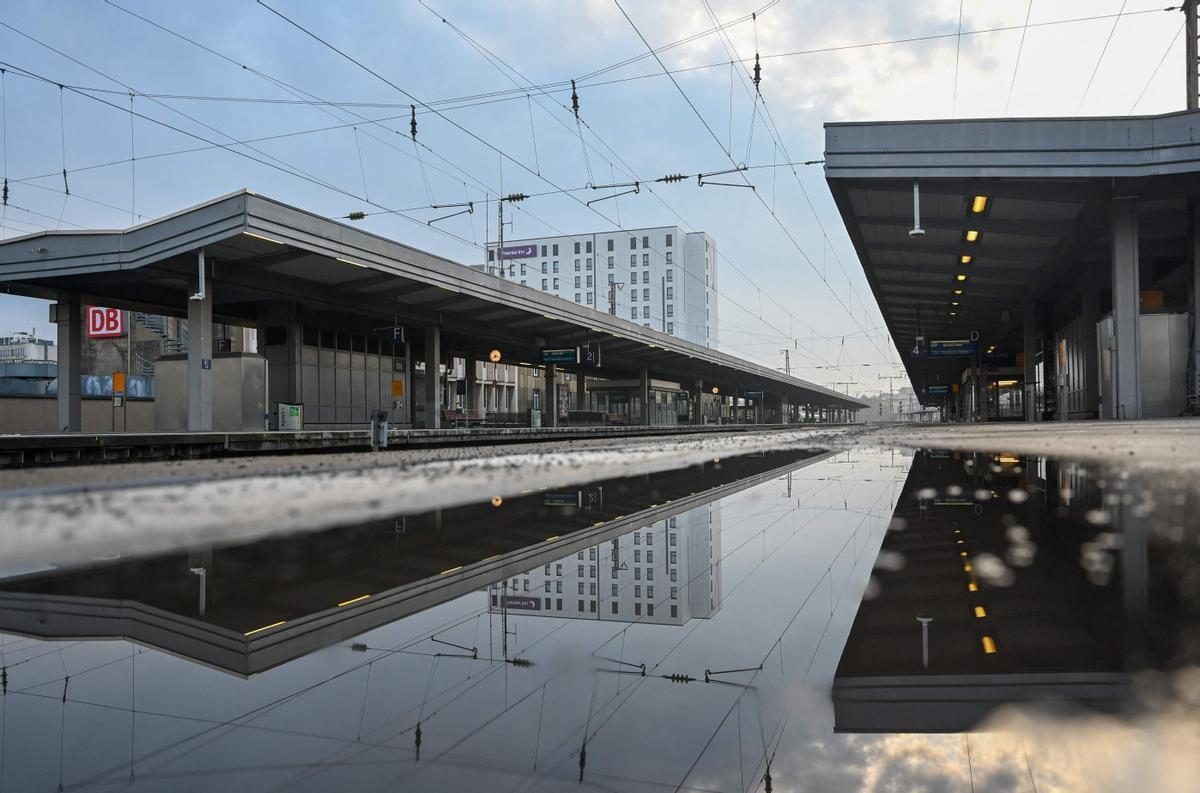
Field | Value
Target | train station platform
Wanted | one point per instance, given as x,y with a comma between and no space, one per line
74,448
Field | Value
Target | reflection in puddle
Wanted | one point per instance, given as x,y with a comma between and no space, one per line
675,631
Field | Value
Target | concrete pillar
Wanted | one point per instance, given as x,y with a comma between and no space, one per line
199,365
69,318
581,398
550,418
1090,315
1029,323
410,398
644,393
1127,387
471,400
433,386
1195,234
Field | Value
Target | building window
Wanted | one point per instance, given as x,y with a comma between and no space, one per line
646,294
522,268
615,590
669,273
577,247
614,575
672,574
645,242
650,592
668,257
589,281
592,588
637,590
588,247
649,573
610,262
589,264
523,282
614,603
674,611
546,586
525,585
669,240
670,327
649,538
670,310
553,249
544,266
491,255
637,609
543,250
646,259
591,571
673,553
545,282
581,606
649,609
576,265
589,298
633,312
579,572
646,312
611,280
633,295
633,243
674,593
577,296
556,283
610,245
649,557
637,556
577,282
592,606
556,266
633,260
670,293
637,575
558,569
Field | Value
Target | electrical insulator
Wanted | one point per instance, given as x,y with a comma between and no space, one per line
757,74
412,125
356,215
514,197
574,100
671,177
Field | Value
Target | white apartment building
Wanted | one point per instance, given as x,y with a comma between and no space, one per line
663,278
666,573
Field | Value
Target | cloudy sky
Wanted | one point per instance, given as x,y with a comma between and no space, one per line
788,276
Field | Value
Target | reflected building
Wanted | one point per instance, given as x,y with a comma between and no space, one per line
1035,580
665,573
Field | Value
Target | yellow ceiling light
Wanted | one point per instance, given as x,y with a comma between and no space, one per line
989,645
979,204
954,313
958,291
966,258
973,235
980,612
954,302
960,277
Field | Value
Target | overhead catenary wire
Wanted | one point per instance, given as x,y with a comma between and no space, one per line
1154,74
505,156
1017,64
1100,59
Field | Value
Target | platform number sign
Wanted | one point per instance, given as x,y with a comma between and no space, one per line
103,323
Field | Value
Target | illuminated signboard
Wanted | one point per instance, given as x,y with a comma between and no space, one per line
945,348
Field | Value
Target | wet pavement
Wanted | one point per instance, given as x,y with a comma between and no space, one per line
867,620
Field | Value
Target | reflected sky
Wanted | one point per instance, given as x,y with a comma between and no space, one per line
796,588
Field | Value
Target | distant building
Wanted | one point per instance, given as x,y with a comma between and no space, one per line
663,277
25,347
667,573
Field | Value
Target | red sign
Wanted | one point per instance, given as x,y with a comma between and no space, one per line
103,323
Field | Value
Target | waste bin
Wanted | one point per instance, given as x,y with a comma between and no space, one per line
379,430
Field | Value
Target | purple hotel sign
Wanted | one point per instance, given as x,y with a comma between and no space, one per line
518,252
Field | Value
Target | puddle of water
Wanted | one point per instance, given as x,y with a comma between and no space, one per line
699,629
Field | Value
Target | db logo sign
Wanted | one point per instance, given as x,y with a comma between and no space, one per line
105,322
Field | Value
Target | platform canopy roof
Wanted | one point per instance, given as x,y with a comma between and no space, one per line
1043,224
265,251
